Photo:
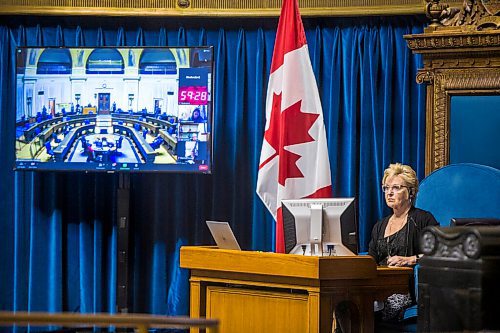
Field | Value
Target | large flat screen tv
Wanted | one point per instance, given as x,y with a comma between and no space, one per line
114,109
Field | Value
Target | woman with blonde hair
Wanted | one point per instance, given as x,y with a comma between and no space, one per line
395,238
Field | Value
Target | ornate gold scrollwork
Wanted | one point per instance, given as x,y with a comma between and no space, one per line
440,123
474,15
492,6
425,76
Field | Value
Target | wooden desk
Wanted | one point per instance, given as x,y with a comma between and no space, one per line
144,147
89,110
169,140
270,292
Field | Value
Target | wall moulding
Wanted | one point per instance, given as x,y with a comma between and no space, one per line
452,41
478,60
210,8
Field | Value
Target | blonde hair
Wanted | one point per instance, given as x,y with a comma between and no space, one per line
407,174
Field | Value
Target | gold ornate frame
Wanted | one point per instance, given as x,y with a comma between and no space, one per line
208,8
461,55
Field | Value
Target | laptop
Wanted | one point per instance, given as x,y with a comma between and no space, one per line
223,235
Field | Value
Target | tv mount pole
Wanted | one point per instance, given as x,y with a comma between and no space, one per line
123,276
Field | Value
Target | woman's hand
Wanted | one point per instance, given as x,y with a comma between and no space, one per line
399,261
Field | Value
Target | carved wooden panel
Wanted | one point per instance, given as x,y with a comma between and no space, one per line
461,56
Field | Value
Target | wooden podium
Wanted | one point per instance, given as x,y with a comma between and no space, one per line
270,292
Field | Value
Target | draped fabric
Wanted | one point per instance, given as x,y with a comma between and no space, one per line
58,239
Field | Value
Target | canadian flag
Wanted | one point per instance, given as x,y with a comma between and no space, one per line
294,158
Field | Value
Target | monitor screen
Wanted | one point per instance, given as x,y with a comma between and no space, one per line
114,109
320,226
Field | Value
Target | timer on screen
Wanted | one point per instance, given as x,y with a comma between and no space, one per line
193,95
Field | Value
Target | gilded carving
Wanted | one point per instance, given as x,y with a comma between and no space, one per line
492,6
453,41
440,121
461,63
472,79
425,76
447,83
435,11
473,15
461,56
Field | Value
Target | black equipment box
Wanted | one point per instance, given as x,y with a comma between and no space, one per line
459,279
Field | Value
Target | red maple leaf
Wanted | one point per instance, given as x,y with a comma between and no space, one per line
288,128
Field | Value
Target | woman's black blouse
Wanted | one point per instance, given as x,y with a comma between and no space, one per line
405,242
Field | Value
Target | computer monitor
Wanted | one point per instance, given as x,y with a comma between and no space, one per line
320,227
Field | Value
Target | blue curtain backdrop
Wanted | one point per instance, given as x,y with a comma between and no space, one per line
58,239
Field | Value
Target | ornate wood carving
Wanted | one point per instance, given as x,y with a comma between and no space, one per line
447,83
473,15
449,41
461,56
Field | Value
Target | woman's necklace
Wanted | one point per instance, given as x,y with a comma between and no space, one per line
395,224
398,222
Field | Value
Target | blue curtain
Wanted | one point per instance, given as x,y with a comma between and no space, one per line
58,239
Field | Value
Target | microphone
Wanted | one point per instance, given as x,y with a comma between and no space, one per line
413,221
410,218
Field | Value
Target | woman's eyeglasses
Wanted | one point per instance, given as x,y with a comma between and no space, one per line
393,188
